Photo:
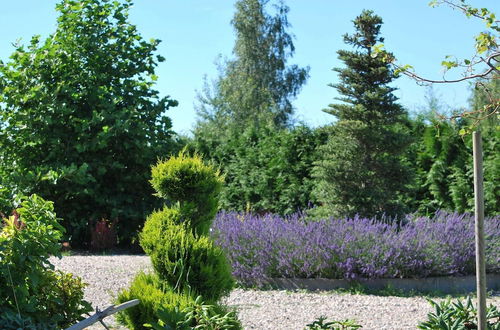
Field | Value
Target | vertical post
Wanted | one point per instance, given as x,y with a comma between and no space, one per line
479,220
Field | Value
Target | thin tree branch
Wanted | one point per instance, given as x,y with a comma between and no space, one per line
465,10
484,74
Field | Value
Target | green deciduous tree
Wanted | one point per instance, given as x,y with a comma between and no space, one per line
257,85
361,171
245,116
81,121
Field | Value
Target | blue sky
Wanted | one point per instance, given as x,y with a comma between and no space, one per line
195,32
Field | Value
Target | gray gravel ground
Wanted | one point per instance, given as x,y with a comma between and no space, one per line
106,275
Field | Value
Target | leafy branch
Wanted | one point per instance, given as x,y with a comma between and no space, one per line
486,43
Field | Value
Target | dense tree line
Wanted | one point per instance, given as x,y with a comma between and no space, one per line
442,158
82,124
374,160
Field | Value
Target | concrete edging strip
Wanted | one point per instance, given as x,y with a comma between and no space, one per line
445,284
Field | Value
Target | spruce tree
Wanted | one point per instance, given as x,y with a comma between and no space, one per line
361,171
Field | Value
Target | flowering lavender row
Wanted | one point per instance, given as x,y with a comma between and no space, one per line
263,247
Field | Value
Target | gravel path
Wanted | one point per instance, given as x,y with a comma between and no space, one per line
106,275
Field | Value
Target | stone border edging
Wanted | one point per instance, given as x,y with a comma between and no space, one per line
445,284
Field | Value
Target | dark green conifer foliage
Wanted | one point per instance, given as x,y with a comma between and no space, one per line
441,157
361,170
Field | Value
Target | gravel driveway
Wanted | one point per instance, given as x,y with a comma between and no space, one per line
106,275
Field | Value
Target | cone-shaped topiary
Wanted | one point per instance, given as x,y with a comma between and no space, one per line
185,259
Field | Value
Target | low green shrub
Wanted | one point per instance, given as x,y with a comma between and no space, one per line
323,324
30,286
198,316
154,296
64,301
458,315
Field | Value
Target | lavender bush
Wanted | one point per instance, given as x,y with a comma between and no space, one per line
263,247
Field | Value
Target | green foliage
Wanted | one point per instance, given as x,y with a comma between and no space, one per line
186,261
257,85
245,118
441,158
193,184
361,169
198,316
458,315
444,169
13,321
30,286
322,323
81,121
154,297
266,169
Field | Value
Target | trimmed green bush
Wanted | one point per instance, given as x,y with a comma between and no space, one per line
154,296
187,264
187,261
156,224
192,184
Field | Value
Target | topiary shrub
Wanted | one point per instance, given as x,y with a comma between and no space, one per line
185,260
156,224
30,287
192,184
154,296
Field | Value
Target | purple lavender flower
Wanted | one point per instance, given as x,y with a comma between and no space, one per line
263,247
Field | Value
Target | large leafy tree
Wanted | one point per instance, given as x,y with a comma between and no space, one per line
361,171
245,116
81,121
257,84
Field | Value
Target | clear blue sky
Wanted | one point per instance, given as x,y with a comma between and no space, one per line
195,32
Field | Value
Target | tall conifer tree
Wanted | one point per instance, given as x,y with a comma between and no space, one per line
361,170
